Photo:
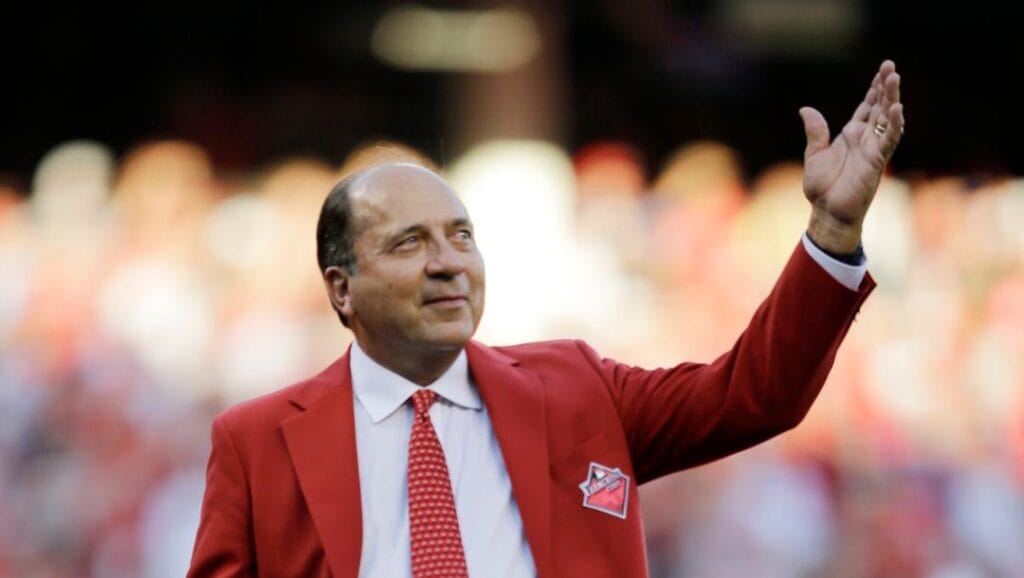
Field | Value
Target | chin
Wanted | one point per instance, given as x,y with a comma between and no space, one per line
453,339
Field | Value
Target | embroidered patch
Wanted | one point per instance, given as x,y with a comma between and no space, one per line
606,490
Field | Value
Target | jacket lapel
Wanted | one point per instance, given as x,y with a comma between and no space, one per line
322,443
514,399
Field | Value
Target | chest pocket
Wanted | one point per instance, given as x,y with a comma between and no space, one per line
571,470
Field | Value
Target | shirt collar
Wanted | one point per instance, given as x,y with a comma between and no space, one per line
382,391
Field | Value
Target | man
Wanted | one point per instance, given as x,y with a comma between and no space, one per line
423,453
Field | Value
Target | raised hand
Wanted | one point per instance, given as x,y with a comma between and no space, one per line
840,179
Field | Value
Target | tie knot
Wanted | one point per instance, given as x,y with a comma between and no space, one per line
422,400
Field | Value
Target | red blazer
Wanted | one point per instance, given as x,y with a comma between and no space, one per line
282,491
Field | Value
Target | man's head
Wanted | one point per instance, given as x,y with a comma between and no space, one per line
400,262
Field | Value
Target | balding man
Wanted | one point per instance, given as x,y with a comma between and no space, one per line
420,452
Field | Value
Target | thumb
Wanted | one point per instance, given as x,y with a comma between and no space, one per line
816,129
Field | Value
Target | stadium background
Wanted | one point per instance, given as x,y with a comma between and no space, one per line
161,168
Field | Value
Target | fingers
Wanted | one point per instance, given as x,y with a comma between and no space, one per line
887,114
876,125
876,91
881,79
887,86
892,88
864,108
896,120
888,94
816,130
891,137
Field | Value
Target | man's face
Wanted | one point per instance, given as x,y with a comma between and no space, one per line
418,284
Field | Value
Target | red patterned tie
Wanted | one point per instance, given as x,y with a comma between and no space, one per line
433,526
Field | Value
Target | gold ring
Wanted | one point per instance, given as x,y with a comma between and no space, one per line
879,129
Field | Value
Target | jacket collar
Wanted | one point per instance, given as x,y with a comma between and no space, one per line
515,402
322,443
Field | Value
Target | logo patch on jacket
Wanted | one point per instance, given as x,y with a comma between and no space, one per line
606,490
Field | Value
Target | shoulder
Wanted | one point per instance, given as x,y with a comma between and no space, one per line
269,410
568,354
537,349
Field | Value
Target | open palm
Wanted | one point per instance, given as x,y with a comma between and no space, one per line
841,177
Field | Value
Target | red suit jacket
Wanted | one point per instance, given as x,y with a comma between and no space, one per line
282,495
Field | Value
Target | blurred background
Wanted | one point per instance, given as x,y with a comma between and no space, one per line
161,170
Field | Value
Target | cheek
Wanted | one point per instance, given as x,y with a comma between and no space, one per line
383,292
479,284
477,272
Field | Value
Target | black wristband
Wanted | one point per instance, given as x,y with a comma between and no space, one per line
856,258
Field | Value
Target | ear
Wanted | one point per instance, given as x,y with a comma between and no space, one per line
336,282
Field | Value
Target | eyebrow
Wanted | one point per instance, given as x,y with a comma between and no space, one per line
461,223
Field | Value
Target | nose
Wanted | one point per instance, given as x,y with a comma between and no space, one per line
444,260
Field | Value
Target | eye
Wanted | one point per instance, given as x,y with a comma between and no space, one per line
464,235
407,242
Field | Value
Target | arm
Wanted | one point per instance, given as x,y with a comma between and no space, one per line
694,413
223,545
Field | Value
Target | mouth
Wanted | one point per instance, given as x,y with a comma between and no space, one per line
447,301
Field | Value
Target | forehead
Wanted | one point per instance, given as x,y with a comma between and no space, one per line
401,196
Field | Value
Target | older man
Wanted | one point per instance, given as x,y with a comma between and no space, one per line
423,453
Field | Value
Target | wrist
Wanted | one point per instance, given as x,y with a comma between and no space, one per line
834,236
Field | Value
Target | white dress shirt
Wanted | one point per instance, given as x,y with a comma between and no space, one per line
850,276
489,520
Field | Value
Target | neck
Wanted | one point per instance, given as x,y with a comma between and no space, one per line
419,367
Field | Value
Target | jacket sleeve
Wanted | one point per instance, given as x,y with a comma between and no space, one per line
224,544
694,413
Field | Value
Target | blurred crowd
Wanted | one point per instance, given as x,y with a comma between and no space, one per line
141,295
